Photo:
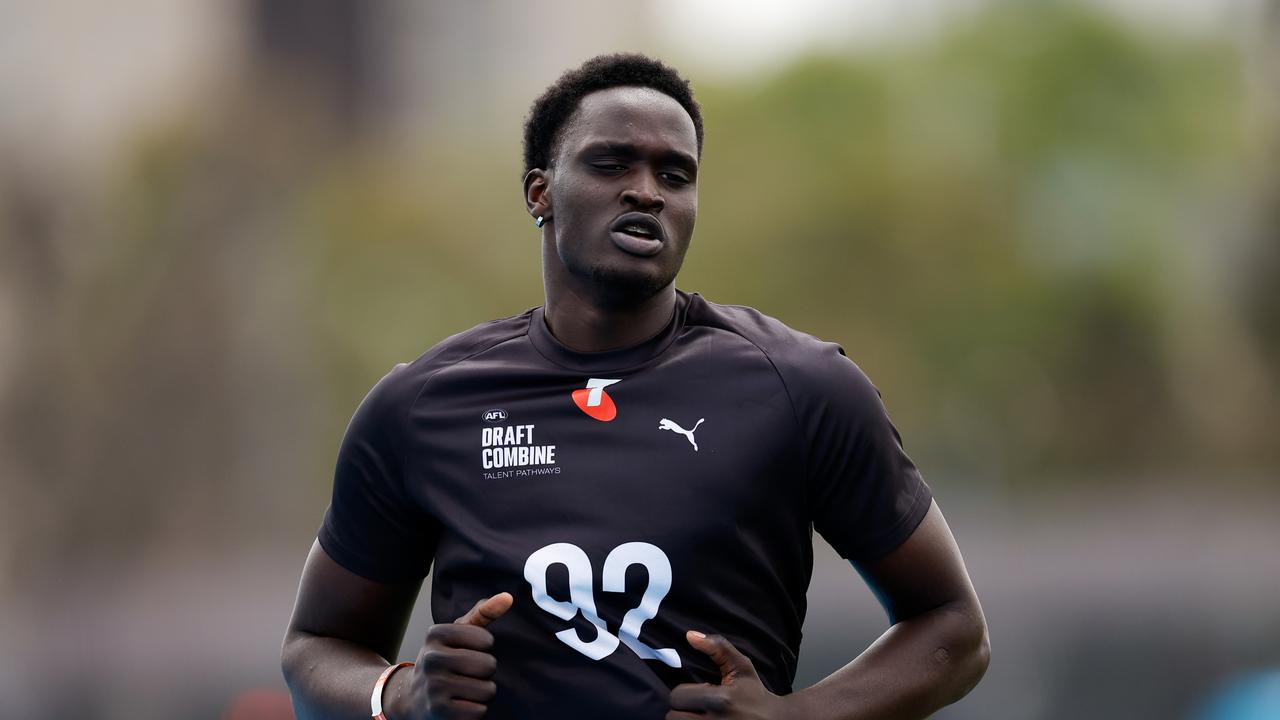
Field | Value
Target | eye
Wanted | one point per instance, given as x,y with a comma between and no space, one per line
610,167
675,178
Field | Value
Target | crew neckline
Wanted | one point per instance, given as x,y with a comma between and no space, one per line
608,360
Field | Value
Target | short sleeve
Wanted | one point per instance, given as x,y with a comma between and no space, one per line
864,494
372,526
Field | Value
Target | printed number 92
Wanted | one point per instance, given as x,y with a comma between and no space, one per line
582,598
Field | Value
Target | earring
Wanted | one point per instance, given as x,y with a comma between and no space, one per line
540,221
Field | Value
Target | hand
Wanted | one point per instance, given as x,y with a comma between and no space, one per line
740,693
453,675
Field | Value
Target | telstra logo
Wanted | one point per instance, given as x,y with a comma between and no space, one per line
594,401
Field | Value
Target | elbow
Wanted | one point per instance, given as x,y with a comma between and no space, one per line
973,646
981,658
286,658
291,656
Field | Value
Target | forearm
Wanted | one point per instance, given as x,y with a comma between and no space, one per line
916,667
329,678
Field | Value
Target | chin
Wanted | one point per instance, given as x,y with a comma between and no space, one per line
630,285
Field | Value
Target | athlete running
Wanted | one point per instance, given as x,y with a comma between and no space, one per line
589,556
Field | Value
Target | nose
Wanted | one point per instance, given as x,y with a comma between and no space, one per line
645,198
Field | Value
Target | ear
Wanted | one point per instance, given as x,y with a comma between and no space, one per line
537,193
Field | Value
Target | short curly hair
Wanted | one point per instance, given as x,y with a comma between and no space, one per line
559,101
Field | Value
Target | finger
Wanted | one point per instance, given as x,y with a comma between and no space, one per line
487,610
732,663
699,697
467,688
466,709
453,635
469,663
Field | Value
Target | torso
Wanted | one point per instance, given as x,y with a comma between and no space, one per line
627,496
572,481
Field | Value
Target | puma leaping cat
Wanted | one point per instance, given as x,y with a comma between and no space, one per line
666,424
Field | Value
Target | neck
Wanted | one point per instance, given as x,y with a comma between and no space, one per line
587,322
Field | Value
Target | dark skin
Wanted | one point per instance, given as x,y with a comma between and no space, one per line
625,150
934,653
630,150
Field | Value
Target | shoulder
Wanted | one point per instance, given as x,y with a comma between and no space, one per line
469,343
398,389
805,363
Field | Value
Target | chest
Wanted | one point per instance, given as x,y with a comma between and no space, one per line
673,450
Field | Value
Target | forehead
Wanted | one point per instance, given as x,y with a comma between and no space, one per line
636,115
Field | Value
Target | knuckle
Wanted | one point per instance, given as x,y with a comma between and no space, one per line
483,638
437,659
486,665
472,636
718,703
438,635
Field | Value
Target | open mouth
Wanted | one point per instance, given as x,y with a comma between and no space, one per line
637,233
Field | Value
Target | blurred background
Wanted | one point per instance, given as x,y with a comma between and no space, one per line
1048,230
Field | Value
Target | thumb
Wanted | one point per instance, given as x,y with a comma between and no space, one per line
487,610
732,663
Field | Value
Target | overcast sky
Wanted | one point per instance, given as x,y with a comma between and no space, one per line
74,75
755,33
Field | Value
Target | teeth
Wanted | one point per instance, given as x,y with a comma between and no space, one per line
636,230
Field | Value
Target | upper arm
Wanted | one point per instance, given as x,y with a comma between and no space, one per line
335,602
863,493
376,543
376,526
923,573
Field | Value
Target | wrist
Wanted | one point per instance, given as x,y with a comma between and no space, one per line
799,704
393,691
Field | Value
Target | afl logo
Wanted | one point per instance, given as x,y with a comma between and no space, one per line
495,415
594,401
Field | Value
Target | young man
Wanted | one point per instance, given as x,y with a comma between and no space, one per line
615,491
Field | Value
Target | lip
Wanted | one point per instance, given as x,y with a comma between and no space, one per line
640,245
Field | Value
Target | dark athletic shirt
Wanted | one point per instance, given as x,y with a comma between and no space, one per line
622,497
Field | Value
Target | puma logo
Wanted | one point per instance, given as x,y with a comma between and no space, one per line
666,424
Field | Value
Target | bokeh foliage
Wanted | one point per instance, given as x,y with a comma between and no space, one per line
1004,227
1048,234
1000,226
1041,233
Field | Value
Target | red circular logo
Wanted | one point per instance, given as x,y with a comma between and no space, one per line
604,412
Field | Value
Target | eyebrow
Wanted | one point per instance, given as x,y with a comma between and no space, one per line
675,157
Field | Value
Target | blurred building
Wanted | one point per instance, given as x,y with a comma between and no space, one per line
220,221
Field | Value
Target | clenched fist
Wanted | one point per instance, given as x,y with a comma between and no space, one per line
453,677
